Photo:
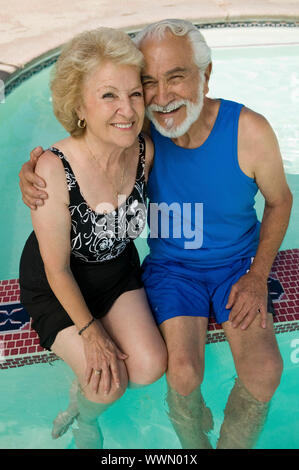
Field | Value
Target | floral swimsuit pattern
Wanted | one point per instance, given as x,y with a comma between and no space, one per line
97,237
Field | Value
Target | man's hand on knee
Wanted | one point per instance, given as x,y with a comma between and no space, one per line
247,299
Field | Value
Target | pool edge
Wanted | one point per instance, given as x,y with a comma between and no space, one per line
14,78
19,344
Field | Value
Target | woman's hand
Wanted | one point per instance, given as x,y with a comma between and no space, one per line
102,356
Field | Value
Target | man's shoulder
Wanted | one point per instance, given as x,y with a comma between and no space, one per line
254,125
257,142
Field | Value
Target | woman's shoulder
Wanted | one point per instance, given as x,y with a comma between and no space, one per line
50,167
50,161
48,164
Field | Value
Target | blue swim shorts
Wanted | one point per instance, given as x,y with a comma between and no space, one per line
176,289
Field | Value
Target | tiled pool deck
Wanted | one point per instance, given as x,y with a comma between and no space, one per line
19,344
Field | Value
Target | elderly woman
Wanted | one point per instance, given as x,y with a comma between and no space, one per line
80,271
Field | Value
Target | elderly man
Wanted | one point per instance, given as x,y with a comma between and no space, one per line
211,157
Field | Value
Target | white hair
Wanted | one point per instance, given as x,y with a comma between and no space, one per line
201,50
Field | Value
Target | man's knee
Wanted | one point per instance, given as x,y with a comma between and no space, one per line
271,373
184,374
264,376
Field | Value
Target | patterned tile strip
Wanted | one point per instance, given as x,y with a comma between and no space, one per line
19,343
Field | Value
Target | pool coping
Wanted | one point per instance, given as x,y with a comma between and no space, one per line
12,80
33,28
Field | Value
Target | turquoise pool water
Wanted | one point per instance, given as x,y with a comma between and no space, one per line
31,396
265,79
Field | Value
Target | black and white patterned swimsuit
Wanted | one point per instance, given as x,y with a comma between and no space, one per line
101,237
104,260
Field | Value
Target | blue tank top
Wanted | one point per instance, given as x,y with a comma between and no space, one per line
201,202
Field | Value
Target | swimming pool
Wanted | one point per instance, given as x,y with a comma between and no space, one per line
265,79
139,420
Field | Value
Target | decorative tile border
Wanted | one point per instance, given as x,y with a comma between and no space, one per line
22,75
249,24
28,360
284,290
19,343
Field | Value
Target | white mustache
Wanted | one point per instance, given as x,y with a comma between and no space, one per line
168,108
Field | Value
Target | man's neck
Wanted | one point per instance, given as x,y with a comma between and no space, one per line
146,128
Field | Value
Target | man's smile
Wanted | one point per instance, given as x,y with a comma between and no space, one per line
168,109
169,113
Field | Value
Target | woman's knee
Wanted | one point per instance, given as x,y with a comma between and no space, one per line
150,366
115,392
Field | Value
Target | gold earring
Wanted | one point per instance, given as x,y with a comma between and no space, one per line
81,123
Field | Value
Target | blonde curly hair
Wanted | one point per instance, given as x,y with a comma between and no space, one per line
78,58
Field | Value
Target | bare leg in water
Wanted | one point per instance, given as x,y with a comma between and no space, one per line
259,367
192,420
86,404
244,419
66,418
131,326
